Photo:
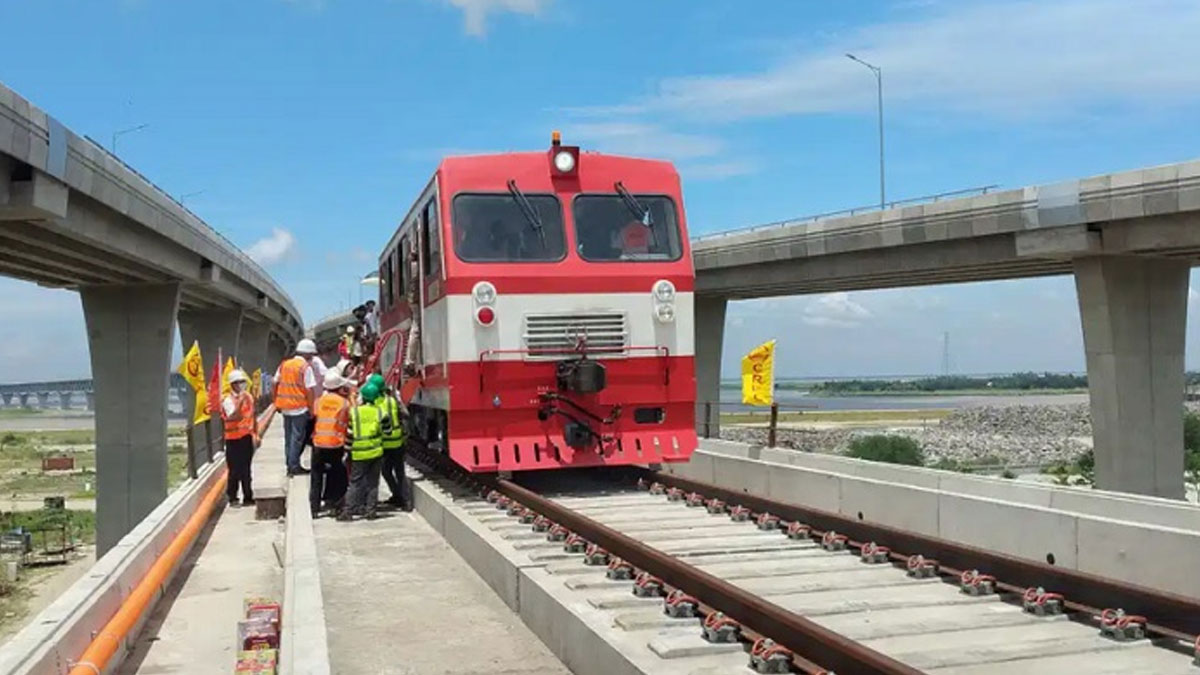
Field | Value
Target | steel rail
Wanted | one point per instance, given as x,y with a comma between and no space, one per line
1168,614
811,642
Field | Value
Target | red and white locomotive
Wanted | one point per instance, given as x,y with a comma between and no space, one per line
537,308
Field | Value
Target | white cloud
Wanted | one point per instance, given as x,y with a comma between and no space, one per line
718,169
1007,58
278,246
835,309
475,12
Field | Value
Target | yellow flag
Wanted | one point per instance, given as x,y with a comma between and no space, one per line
225,388
192,370
758,375
256,383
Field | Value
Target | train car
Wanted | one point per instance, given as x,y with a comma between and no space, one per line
538,308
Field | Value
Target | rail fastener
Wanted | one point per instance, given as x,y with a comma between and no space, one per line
714,506
557,533
541,523
618,569
739,514
920,567
768,657
720,628
594,555
647,585
767,521
680,605
574,543
972,582
1122,627
873,553
674,494
694,499
798,530
832,541
1038,601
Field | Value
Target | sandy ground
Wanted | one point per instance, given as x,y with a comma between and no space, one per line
50,582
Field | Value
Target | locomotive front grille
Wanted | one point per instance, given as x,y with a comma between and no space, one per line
547,336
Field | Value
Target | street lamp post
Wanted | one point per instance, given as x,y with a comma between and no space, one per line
122,132
878,81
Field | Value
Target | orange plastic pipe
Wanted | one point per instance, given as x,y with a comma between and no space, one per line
96,657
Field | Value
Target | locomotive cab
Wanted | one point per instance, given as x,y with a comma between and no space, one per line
557,331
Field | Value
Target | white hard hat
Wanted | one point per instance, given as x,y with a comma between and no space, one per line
306,347
237,375
350,330
334,380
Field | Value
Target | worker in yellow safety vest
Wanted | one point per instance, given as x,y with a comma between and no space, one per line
241,437
393,444
328,480
364,436
295,399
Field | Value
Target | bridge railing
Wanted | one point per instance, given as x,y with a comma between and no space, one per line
965,192
234,249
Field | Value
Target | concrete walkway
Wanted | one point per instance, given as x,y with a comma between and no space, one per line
398,600
194,628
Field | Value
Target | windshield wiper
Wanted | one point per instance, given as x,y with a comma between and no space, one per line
634,205
531,214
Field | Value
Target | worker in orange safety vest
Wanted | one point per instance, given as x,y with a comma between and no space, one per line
241,437
295,399
328,481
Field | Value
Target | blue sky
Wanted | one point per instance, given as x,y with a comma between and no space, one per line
302,129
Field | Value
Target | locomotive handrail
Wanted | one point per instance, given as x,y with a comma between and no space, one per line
662,350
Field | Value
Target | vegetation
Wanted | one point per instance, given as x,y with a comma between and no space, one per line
1014,382
1009,474
1191,448
887,448
796,416
1079,471
81,523
950,464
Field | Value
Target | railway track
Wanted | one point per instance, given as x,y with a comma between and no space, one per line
712,582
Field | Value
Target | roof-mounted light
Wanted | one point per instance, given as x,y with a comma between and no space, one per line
564,159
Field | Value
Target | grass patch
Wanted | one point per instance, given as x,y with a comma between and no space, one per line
890,449
11,413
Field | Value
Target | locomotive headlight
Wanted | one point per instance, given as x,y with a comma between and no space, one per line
664,291
564,161
484,293
665,313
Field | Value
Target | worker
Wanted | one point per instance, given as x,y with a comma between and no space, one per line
241,437
328,480
634,238
346,345
364,437
393,444
295,399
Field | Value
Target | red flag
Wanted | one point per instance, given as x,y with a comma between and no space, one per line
214,387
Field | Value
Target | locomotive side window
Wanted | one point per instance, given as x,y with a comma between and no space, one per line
406,265
498,228
385,282
432,240
610,228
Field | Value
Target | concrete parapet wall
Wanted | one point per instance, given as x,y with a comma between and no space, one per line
303,642
1143,540
62,631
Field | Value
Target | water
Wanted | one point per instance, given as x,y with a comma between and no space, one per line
731,399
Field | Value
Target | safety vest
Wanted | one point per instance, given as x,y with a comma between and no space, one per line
329,431
394,439
242,422
290,392
365,424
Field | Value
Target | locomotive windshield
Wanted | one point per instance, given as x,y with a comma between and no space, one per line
497,228
608,230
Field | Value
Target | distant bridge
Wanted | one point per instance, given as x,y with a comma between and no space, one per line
19,394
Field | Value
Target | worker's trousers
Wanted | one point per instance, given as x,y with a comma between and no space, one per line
393,475
364,486
295,431
328,481
238,454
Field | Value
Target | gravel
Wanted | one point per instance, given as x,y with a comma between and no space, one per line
1018,435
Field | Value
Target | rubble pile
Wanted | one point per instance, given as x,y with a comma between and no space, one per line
1017,435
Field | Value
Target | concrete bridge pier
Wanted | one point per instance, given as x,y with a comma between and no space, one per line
130,331
91,401
1134,315
24,399
252,347
43,399
64,400
710,338
6,399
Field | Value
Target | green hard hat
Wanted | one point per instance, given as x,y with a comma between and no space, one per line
377,380
370,393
